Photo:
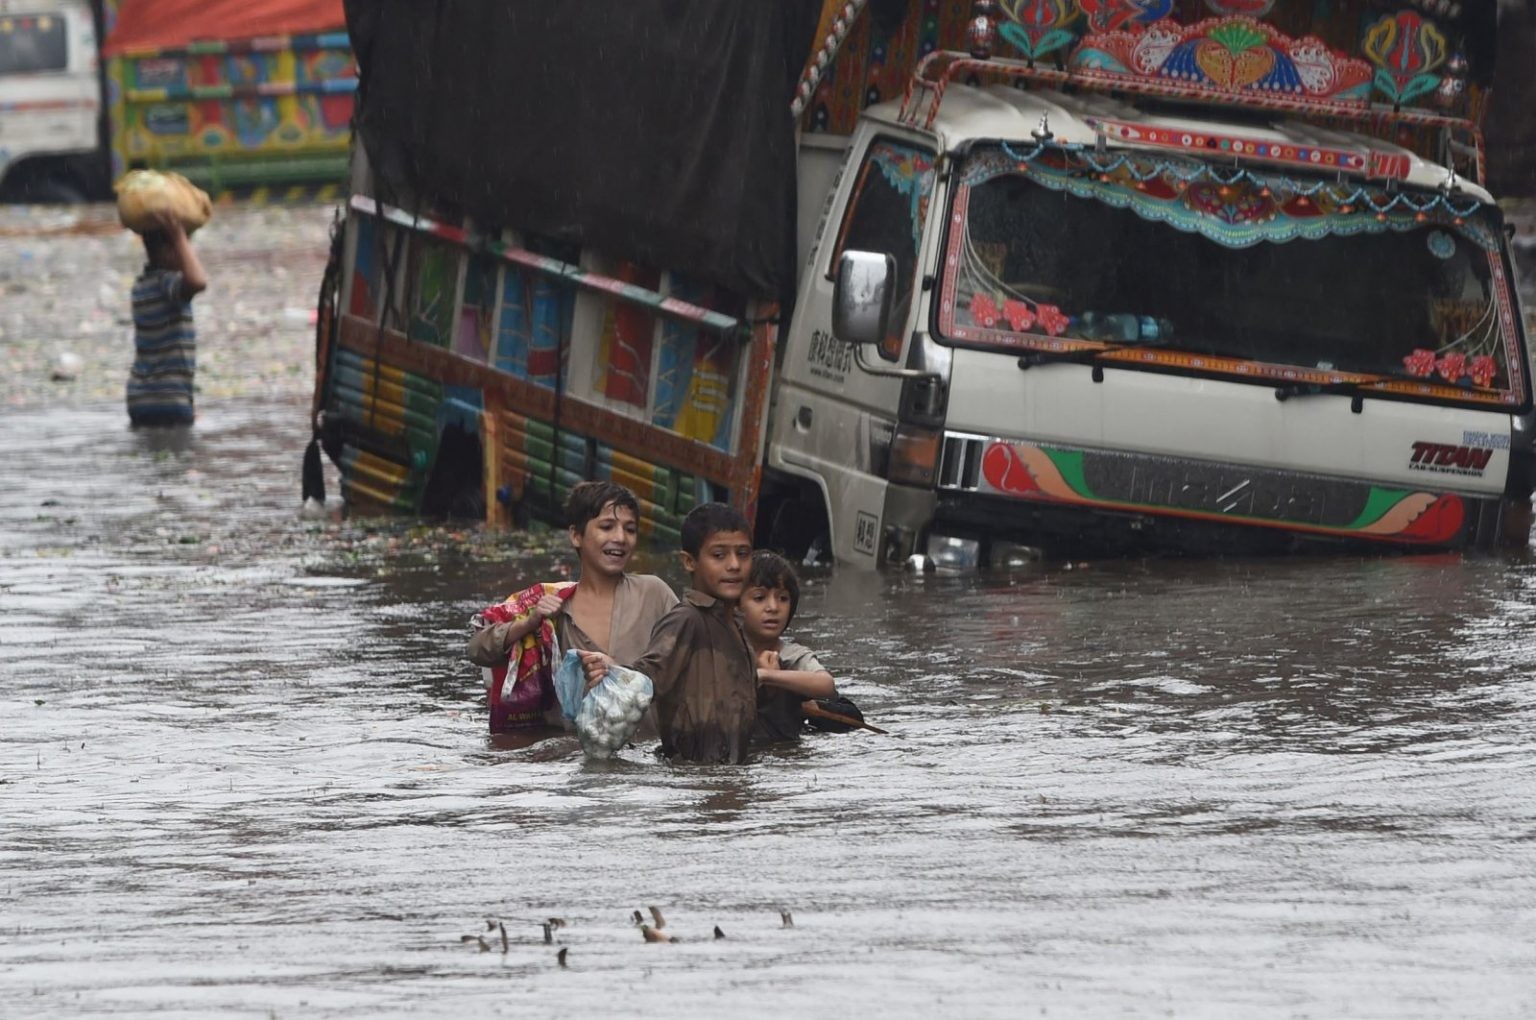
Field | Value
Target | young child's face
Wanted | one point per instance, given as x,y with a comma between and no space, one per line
765,613
720,568
605,545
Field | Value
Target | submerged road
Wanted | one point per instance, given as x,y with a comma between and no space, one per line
244,768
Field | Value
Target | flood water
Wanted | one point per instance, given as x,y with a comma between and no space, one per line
245,773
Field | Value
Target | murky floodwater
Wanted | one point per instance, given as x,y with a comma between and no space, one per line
245,772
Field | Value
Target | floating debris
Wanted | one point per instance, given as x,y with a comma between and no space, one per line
66,366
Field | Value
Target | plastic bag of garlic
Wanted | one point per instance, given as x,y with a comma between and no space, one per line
607,715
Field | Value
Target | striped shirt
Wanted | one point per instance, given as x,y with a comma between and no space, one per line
165,350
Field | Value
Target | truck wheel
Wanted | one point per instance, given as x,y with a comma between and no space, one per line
49,192
793,523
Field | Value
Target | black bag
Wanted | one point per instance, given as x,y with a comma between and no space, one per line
838,706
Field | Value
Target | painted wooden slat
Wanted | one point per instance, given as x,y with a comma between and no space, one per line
638,438
260,90
572,275
260,44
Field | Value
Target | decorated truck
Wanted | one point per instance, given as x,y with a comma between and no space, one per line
936,279
238,97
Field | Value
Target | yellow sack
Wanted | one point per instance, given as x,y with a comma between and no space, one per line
141,194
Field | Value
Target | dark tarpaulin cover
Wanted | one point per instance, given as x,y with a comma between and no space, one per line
1512,116
656,131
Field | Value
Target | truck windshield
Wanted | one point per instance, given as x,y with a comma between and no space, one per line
1185,266
32,42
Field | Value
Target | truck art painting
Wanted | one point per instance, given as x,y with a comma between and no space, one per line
249,98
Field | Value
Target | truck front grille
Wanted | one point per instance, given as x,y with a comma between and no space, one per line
960,468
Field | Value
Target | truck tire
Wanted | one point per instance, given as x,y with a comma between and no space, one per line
792,522
47,191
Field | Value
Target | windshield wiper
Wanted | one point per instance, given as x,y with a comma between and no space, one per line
1357,389
1080,355
1077,356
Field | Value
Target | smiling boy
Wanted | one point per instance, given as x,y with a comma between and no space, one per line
698,657
607,609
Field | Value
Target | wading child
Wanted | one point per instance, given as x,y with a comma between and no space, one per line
164,341
605,610
788,674
698,658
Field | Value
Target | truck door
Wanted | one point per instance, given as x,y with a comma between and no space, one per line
834,422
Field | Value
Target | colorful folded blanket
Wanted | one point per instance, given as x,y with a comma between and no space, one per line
522,702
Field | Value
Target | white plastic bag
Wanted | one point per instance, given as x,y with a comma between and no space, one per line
607,715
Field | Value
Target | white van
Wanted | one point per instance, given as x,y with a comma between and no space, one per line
50,102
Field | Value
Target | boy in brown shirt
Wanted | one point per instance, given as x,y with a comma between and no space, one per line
698,658
607,609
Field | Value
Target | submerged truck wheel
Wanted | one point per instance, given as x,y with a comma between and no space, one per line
792,520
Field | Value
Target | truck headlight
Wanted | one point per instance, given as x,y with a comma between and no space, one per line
946,552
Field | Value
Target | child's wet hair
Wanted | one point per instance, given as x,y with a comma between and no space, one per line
709,519
587,500
770,570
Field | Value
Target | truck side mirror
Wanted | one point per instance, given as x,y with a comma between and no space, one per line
862,296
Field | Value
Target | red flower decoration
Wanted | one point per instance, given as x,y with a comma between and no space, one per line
1483,369
1452,366
1018,315
984,310
1051,320
1421,362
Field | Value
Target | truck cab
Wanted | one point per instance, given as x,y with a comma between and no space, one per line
1126,324
50,101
